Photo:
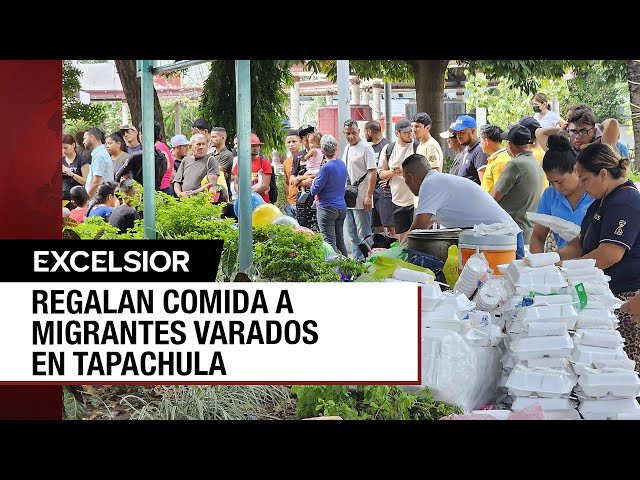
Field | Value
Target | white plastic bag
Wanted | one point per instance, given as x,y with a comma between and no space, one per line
458,372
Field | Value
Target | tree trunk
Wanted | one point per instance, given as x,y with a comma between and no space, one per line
633,77
429,81
131,87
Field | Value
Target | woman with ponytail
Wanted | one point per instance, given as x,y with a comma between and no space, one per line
565,196
610,231
104,201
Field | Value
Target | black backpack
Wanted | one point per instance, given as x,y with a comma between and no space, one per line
416,142
134,165
273,185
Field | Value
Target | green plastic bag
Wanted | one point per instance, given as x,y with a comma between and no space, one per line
396,251
383,267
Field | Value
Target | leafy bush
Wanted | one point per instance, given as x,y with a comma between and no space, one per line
369,402
92,226
280,253
282,193
283,255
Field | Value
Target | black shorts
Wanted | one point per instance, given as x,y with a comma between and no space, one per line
402,218
382,214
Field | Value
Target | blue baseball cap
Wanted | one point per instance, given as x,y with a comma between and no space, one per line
462,122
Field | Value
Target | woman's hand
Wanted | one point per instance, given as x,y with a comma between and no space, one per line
632,306
67,171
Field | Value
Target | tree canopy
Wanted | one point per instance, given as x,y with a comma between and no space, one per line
72,109
268,100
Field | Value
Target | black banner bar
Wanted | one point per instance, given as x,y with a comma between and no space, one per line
113,260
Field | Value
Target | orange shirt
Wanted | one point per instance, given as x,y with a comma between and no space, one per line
292,192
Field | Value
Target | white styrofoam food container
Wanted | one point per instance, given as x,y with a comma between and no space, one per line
523,276
598,338
596,318
550,313
562,414
526,348
608,409
546,329
584,355
562,363
615,382
580,263
563,403
543,382
552,300
589,354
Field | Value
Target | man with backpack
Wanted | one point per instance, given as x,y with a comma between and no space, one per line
390,169
261,171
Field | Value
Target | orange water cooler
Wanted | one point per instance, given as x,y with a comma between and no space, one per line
497,248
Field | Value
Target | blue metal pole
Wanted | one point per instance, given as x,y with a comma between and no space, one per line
243,119
148,164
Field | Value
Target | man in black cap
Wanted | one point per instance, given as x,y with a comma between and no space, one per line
131,136
519,188
390,170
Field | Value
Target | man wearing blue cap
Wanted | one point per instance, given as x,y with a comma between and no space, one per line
474,160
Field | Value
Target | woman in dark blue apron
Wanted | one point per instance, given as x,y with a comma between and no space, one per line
610,230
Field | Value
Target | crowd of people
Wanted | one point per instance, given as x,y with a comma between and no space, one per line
573,168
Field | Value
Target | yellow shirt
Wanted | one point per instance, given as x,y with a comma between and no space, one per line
495,166
538,152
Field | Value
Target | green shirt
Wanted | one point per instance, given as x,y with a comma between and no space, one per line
521,184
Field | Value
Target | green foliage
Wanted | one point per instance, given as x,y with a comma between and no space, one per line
282,192
350,267
188,114
283,255
72,109
506,103
598,88
280,253
268,99
92,226
311,113
369,402
219,402
388,70
525,75
73,407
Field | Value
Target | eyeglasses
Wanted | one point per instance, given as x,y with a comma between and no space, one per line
580,133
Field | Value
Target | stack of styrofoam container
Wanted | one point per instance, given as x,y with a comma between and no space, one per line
536,367
460,359
607,384
553,347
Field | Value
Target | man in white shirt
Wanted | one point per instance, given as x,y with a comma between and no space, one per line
390,169
361,167
453,200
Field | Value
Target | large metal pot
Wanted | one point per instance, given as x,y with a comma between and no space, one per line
434,242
